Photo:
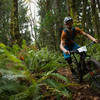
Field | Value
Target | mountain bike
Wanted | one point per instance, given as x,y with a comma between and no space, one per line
86,65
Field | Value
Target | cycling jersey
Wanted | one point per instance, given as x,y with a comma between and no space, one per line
69,37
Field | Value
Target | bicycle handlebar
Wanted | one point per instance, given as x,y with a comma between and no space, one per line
90,44
74,51
77,51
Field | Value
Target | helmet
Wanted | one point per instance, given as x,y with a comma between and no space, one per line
67,19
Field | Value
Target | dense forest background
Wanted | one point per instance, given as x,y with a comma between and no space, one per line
15,23
27,67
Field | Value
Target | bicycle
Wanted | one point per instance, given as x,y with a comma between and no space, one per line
86,66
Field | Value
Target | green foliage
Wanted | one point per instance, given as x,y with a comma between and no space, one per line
58,88
51,22
58,76
5,7
25,79
13,79
15,49
43,60
94,50
33,77
5,17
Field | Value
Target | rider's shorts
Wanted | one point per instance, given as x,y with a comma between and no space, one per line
74,46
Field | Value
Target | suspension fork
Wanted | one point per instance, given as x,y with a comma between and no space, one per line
75,59
81,67
81,70
78,68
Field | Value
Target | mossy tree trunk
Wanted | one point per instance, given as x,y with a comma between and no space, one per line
95,18
14,26
84,14
86,17
68,7
73,10
59,21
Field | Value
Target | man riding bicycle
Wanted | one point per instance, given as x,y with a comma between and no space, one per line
67,39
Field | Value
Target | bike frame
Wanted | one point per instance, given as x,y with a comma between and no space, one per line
84,66
81,65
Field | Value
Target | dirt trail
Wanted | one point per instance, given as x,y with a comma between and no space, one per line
82,92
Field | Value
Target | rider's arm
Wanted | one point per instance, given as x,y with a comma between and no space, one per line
85,34
89,36
62,43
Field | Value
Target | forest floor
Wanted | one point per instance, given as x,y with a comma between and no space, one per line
81,92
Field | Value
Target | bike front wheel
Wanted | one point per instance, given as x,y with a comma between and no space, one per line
94,71
95,84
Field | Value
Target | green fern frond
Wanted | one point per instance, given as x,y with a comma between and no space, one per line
45,76
31,92
2,45
58,87
61,77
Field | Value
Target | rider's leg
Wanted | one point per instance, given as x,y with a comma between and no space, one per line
67,57
69,60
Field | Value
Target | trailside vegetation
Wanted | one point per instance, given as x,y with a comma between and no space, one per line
28,73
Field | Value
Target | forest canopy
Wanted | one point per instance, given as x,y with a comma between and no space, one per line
15,23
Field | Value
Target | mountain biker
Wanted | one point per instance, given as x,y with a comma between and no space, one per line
67,39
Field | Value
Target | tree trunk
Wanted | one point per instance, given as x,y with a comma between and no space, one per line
98,2
68,7
58,22
95,17
74,10
89,25
14,27
84,14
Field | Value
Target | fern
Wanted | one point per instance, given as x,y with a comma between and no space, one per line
17,80
61,77
58,87
31,92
